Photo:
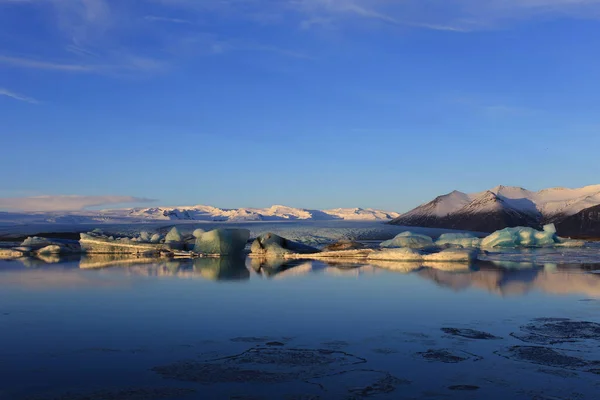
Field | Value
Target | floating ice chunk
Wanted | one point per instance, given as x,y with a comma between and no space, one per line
564,242
520,237
271,244
95,243
225,242
458,239
173,236
52,249
36,243
397,254
412,255
452,255
144,236
155,238
409,240
198,232
49,246
174,240
550,228
8,254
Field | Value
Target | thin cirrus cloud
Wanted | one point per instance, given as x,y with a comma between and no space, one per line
449,15
154,18
66,202
17,96
88,34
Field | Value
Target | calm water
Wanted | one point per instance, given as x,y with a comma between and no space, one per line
111,329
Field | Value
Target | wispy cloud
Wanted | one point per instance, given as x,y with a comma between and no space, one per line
17,96
66,202
36,64
122,64
494,108
104,36
154,18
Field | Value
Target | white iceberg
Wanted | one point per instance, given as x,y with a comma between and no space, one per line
408,240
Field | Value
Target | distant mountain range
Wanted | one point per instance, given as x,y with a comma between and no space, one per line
575,212
196,213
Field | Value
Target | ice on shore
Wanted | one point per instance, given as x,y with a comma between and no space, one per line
271,244
458,239
408,240
224,242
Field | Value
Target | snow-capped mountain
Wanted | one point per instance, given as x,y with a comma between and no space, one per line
505,206
197,213
273,213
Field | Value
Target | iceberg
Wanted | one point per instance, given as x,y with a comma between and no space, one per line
96,242
528,237
458,239
49,246
9,254
271,244
409,240
224,242
412,255
173,239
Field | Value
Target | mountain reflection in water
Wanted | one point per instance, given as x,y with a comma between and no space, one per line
496,277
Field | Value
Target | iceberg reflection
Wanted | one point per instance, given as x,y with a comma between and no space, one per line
513,281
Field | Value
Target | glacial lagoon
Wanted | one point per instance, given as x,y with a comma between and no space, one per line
107,327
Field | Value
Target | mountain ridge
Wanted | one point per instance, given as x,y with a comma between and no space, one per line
198,213
508,206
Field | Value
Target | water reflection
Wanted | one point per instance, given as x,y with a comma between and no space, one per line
224,268
504,278
496,278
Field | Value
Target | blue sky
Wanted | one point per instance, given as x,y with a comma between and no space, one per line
308,103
